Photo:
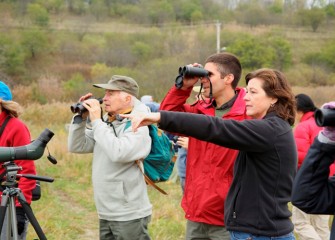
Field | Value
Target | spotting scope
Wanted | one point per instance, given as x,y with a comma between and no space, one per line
31,151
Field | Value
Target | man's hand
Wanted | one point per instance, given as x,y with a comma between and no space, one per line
190,82
82,99
329,131
93,107
86,96
183,142
21,220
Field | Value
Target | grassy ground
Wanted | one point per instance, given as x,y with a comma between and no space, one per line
66,211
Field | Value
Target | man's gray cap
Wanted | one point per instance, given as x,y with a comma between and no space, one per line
121,83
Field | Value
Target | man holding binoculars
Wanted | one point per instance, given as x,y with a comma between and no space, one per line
209,167
120,191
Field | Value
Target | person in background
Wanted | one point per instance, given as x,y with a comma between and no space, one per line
182,143
313,189
120,191
256,206
307,226
149,101
209,167
15,133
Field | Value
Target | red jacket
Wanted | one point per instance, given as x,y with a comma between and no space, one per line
304,133
17,134
209,167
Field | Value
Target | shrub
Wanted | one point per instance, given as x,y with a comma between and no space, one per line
74,87
38,15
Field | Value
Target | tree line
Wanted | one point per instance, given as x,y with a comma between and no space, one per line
152,12
70,44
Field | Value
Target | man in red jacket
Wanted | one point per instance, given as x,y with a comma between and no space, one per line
15,134
209,167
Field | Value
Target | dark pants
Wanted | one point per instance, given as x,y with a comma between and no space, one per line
125,230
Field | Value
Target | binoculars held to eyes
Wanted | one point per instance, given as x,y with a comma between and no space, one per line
79,108
189,71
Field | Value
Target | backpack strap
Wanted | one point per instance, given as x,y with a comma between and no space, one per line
4,124
1,130
128,124
148,180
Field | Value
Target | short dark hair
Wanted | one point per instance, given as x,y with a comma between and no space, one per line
304,103
227,63
276,85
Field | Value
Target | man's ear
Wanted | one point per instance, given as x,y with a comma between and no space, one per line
128,98
229,79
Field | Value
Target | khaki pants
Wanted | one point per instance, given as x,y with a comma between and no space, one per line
126,230
204,231
310,226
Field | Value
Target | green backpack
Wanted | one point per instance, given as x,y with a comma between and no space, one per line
158,165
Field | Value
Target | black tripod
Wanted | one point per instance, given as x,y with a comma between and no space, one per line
9,195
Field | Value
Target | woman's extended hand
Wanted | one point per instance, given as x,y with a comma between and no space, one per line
142,119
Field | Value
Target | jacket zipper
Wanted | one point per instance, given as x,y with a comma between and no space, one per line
234,205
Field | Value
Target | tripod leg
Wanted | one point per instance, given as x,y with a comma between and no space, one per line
3,208
12,218
30,215
8,201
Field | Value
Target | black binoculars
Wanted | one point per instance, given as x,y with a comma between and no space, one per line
79,108
324,117
189,71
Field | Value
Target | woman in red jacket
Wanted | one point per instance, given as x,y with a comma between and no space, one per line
14,134
307,226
